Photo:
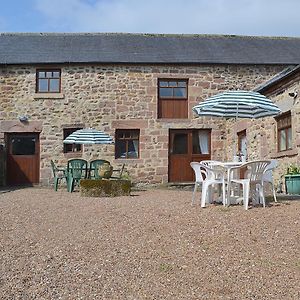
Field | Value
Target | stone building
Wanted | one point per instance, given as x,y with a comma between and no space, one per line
138,88
277,138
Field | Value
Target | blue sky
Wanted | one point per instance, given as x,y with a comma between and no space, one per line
242,17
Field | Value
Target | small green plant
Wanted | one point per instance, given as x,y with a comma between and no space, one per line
293,170
164,267
126,176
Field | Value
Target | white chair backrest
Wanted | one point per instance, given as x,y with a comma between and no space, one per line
256,169
268,175
214,172
212,165
209,162
198,173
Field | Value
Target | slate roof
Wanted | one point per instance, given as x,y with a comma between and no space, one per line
286,73
35,48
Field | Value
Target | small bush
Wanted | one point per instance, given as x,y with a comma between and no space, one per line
293,170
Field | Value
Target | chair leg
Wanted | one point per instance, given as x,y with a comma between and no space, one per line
55,183
224,193
274,192
204,194
228,193
261,195
70,185
195,189
246,190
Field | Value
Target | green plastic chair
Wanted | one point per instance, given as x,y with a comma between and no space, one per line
94,167
77,170
117,173
59,174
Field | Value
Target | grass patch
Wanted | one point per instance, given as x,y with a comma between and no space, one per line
164,267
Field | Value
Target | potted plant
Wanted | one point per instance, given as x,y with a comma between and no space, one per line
292,180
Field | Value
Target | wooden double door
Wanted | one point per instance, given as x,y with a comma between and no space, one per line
23,158
185,146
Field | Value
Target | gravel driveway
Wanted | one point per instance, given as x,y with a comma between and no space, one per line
152,245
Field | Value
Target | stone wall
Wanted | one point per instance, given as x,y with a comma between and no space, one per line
112,97
262,133
2,165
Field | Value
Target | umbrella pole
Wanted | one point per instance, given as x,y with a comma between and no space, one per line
234,132
234,140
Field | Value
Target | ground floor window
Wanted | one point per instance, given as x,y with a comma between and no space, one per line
284,132
71,147
127,143
201,141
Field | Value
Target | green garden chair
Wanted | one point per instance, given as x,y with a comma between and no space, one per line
117,173
59,174
77,170
94,168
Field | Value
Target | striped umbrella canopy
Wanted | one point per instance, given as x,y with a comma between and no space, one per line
88,136
237,104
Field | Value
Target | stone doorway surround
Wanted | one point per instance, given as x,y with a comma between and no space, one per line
15,126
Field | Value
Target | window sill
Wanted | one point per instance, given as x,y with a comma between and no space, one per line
292,152
128,160
176,120
48,96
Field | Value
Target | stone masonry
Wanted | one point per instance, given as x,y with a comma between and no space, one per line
110,97
262,133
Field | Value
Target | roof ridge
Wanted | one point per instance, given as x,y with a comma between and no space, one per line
182,35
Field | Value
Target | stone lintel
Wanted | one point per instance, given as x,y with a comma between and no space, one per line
18,126
241,125
73,125
130,124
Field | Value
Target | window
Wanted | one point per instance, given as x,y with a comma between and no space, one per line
172,99
48,81
127,143
71,147
23,146
201,141
284,132
242,143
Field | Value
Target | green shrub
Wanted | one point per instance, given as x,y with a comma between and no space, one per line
293,170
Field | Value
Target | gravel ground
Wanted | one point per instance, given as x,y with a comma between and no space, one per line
151,245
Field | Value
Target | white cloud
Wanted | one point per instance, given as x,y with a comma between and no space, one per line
249,17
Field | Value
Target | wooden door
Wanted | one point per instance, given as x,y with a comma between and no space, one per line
23,157
185,146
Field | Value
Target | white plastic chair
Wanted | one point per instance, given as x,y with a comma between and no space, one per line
209,162
212,177
198,177
254,174
268,176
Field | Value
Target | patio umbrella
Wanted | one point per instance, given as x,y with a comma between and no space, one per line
88,136
237,104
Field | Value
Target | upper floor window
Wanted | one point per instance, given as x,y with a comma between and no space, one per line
172,98
284,131
48,81
71,147
127,143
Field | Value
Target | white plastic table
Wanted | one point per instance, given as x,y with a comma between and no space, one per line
227,166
